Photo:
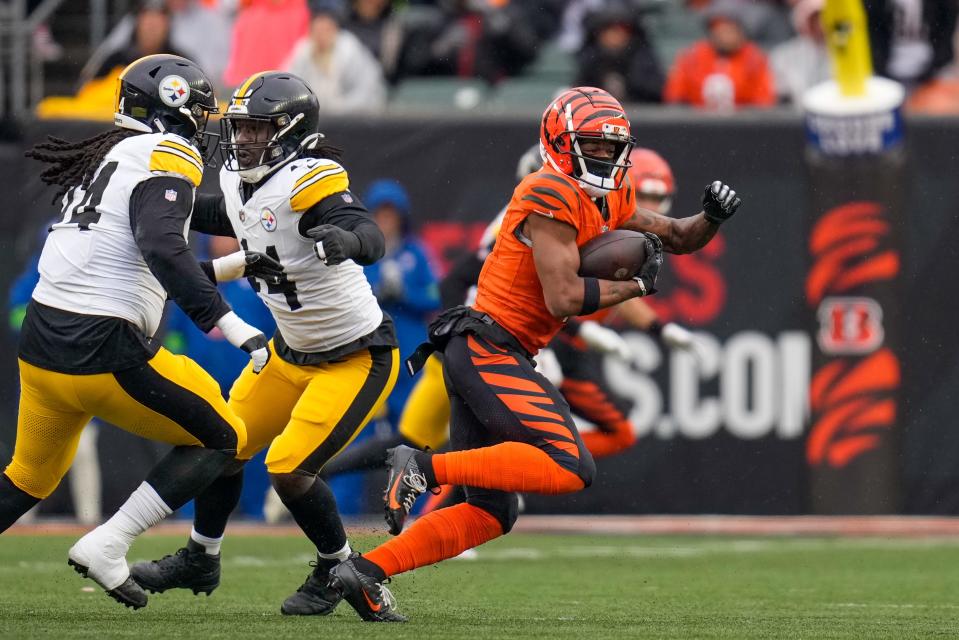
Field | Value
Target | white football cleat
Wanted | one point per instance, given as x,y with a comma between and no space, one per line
102,558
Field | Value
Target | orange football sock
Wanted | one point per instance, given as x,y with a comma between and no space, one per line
606,443
508,466
439,535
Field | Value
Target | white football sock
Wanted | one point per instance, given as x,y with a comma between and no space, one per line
212,545
143,509
340,555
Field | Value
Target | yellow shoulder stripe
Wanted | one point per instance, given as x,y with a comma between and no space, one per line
317,185
182,147
174,161
312,173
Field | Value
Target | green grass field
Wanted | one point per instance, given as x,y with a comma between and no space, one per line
526,586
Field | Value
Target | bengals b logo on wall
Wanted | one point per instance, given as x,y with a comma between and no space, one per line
850,326
854,388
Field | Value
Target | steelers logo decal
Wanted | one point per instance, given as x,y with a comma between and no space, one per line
174,91
268,220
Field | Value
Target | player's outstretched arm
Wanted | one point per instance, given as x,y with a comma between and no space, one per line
557,263
685,235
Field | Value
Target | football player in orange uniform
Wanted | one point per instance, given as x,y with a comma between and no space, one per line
580,344
511,430
579,347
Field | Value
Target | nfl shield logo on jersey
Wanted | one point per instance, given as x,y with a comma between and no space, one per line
268,220
170,194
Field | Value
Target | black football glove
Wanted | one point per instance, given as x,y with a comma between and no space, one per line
720,202
260,265
334,245
650,269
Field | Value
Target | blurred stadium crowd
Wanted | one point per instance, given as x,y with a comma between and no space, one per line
366,56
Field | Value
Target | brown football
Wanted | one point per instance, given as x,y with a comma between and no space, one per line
614,255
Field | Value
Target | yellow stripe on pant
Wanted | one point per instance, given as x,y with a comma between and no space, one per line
310,413
170,399
425,419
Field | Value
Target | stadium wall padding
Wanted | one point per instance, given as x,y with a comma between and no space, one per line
724,435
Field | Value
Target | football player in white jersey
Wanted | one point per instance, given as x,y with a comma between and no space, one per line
87,346
335,353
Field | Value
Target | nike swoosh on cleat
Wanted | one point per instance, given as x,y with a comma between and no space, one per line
393,503
370,603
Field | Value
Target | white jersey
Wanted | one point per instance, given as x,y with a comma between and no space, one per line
91,263
318,308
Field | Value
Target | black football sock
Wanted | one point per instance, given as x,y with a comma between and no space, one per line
368,454
185,472
315,511
215,504
425,462
13,502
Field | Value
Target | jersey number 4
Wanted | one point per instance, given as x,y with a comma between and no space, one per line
285,286
81,208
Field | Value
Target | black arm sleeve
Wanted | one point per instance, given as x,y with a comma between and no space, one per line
462,275
158,226
345,211
209,216
208,270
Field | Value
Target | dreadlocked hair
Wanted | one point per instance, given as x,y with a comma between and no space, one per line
74,163
324,151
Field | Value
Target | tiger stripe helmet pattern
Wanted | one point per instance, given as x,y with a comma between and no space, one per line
584,113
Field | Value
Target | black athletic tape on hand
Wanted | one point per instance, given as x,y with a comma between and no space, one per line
590,296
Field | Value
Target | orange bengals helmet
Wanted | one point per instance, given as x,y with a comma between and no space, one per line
587,113
652,178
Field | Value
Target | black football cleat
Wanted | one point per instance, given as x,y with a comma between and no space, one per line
189,568
406,483
315,597
371,600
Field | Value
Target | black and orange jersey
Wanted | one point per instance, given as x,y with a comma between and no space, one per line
509,288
